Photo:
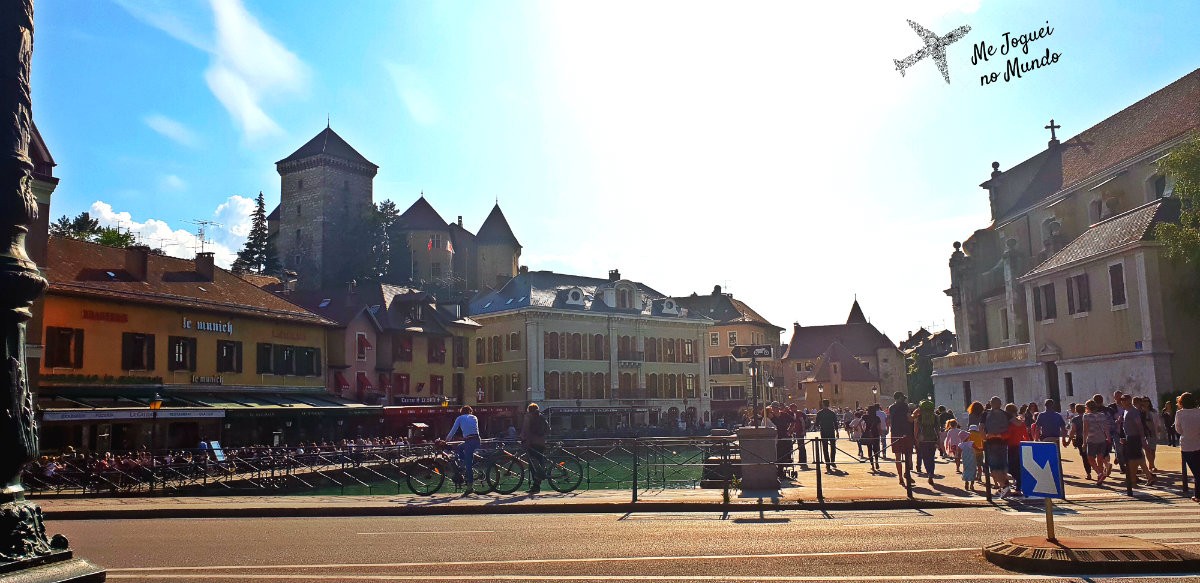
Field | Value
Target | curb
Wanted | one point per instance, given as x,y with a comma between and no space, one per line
477,509
1130,560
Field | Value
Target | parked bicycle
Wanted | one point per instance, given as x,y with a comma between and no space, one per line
506,472
427,474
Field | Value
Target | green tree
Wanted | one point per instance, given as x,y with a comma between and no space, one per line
1182,241
114,237
82,227
258,254
920,376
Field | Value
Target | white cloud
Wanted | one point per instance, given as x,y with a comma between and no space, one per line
171,129
415,92
248,67
234,215
172,183
176,242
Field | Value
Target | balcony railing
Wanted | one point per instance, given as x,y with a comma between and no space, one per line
1006,354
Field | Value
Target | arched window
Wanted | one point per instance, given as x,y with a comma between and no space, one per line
576,385
497,356
575,347
652,389
623,348
552,386
599,347
672,386
515,382
598,386
651,350
480,351
551,349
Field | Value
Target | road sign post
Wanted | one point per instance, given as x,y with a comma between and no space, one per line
1041,477
751,353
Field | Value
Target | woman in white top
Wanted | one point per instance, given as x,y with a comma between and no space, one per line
1187,423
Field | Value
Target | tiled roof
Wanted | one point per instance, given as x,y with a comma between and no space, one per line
80,268
1159,118
723,308
421,216
329,143
495,229
852,370
546,289
856,315
261,281
1113,233
809,342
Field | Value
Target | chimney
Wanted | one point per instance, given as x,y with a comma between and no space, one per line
204,265
352,286
614,275
460,221
716,290
796,327
137,260
524,269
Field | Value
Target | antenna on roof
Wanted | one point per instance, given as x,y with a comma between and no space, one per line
327,121
201,225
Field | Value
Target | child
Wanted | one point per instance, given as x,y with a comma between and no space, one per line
970,455
950,443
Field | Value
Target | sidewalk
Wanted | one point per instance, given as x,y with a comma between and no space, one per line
852,487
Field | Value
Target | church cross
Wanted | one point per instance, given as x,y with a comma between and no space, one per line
1052,127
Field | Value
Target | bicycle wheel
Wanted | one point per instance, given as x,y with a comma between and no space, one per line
479,477
506,475
424,477
564,473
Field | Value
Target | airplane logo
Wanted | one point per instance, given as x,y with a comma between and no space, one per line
935,46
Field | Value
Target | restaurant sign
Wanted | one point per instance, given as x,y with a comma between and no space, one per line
206,326
425,401
136,414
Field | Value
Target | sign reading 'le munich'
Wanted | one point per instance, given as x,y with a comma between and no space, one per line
222,327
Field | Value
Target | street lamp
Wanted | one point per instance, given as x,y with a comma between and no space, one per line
155,405
770,389
875,393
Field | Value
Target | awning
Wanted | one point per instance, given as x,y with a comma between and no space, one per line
130,414
339,382
364,383
419,410
385,382
363,343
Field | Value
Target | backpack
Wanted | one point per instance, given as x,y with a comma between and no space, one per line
538,426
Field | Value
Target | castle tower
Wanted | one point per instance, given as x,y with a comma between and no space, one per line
325,190
433,250
499,252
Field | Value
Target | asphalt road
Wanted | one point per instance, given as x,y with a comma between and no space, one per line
877,546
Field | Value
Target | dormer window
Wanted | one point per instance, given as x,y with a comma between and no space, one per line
575,297
624,297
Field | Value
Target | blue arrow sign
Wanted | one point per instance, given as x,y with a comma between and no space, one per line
1041,470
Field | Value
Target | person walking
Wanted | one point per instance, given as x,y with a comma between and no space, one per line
1187,423
534,430
468,425
827,422
883,429
799,431
782,420
925,426
856,431
1074,437
1156,430
1098,437
995,448
1133,436
870,436
1168,415
1050,424
900,422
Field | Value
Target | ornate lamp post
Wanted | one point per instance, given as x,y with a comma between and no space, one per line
155,405
875,393
25,550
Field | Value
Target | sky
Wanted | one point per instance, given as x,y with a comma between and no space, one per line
768,147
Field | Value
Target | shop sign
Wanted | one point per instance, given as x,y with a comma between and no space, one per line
200,380
425,401
105,316
288,334
406,411
207,326
598,410
137,414
495,410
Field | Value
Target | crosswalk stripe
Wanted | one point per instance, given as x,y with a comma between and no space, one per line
1134,526
1170,535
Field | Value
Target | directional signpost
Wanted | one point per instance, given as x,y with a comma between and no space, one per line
1041,477
751,353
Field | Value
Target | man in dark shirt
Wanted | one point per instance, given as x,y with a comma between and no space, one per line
900,421
782,419
827,422
1050,423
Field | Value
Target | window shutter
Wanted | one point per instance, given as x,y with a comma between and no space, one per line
237,357
1037,304
1071,295
77,361
149,352
263,364
278,366
126,351
192,345
316,365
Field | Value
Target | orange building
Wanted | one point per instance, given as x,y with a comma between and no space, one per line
230,361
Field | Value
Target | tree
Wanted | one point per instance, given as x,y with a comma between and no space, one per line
920,376
258,254
82,227
1182,241
114,237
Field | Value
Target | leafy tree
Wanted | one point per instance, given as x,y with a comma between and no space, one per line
82,227
114,237
1182,241
920,376
258,254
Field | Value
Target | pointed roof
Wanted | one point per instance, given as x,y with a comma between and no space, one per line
495,229
856,315
328,143
852,370
810,341
421,216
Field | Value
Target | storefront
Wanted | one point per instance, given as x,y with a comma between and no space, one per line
600,419
125,429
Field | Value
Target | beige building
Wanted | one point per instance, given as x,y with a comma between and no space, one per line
448,257
1066,294
730,381
604,354
840,377
811,346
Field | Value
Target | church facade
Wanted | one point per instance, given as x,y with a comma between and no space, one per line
1066,293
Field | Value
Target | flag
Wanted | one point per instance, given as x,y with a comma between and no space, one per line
430,245
449,247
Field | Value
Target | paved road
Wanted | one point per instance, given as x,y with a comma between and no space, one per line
876,546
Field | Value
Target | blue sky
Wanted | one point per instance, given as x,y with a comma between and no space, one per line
768,147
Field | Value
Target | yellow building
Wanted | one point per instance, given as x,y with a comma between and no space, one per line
230,361
730,381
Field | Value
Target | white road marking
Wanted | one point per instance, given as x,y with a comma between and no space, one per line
527,577
428,532
548,561
1134,525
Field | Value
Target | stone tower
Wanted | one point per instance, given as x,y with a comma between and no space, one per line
499,252
325,191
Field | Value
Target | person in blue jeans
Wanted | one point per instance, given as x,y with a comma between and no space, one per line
467,424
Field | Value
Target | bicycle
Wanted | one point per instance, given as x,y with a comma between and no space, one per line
427,474
506,473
